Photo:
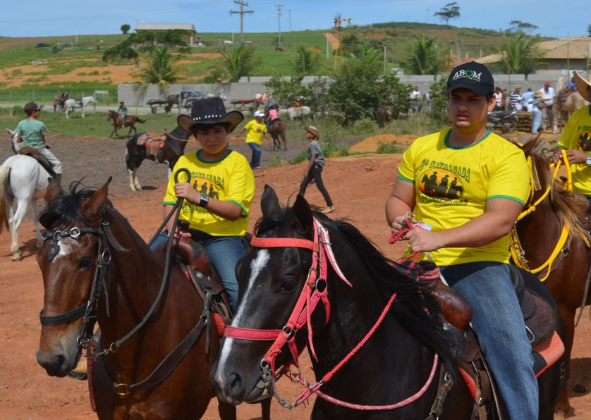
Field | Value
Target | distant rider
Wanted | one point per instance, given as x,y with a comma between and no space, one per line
31,132
122,110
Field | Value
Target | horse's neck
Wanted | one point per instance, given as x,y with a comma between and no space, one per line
135,277
391,348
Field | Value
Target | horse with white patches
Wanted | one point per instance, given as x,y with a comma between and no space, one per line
71,104
24,180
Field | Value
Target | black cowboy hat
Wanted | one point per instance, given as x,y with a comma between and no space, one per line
209,111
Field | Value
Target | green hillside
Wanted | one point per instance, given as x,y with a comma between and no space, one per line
82,69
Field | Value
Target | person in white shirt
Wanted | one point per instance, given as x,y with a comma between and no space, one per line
528,98
415,99
548,101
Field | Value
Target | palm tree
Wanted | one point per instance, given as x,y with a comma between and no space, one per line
306,62
239,62
367,55
424,56
520,55
161,69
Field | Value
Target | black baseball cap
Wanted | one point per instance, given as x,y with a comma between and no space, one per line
473,76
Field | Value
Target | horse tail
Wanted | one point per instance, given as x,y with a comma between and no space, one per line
140,120
5,195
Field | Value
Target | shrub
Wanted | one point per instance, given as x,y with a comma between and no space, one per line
274,162
388,148
300,157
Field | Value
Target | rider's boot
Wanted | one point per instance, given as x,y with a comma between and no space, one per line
58,179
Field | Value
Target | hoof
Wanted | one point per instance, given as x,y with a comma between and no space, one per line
17,256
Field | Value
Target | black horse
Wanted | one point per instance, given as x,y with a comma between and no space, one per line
174,147
395,362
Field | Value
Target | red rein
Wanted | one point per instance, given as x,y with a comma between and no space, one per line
315,290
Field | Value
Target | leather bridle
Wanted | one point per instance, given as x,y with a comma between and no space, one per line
87,310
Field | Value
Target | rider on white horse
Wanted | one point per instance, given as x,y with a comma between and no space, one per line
31,132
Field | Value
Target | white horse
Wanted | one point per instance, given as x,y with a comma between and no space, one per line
297,112
71,104
25,181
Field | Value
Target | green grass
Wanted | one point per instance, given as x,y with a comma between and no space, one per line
45,93
92,125
388,148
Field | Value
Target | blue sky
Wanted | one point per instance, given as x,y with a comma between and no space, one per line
61,17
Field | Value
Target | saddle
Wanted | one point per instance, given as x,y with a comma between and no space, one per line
198,268
540,321
36,154
152,142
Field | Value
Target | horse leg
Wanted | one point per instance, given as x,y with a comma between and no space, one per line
14,222
226,411
284,139
37,227
266,409
568,317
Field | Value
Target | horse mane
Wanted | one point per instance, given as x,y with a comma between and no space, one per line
413,307
564,202
65,211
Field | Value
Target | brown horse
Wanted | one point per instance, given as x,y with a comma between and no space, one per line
93,261
540,231
567,101
276,130
118,122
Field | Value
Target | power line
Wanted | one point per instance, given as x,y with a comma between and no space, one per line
279,13
242,12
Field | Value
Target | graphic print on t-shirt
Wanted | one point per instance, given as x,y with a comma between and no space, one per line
585,141
443,184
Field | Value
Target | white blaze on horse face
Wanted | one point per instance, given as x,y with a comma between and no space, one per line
66,245
256,266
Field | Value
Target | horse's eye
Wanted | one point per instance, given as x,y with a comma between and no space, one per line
288,285
84,263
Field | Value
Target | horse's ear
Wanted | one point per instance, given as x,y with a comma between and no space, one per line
269,201
302,215
530,145
95,203
53,189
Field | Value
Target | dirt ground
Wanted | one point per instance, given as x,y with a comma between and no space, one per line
26,392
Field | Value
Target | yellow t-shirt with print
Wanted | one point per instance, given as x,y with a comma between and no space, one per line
255,132
453,186
577,136
228,179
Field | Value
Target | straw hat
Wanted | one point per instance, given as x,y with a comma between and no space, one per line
582,86
538,94
313,130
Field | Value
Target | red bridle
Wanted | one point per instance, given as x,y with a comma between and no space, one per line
315,290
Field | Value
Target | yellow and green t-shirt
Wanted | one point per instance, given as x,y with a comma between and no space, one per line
577,136
453,186
255,132
228,179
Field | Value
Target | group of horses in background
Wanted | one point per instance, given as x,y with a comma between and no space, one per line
65,104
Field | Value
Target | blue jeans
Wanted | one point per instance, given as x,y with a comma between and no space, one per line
223,252
501,331
537,120
255,162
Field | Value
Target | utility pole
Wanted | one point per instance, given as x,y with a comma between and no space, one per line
385,59
279,13
242,12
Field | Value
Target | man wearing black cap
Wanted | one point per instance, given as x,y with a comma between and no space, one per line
467,186
31,132
220,192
